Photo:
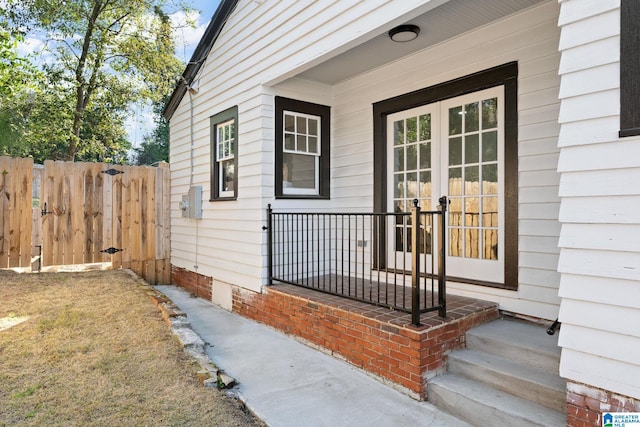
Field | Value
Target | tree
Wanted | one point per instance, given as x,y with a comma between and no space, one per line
155,146
105,55
16,73
17,77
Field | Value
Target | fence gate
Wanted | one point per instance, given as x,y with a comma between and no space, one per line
81,213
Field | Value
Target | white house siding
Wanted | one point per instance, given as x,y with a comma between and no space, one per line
600,206
531,38
261,40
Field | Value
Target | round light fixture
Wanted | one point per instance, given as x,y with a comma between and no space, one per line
404,33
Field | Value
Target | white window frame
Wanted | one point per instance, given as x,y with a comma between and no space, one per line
226,145
287,190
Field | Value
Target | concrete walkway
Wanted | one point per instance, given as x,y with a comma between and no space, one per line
287,383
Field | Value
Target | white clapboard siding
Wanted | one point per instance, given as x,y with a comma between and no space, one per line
599,252
600,182
614,342
591,29
595,79
590,289
578,10
623,155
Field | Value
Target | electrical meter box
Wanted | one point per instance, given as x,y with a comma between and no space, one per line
191,204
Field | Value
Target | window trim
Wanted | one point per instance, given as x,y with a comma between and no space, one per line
283,104
223,118
503,75
629,69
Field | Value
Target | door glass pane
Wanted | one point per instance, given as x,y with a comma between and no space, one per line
471,243
412,185
471,181
472,212
489,146
425,188
399,207
471,149
489,211
455,120
398,132
490,244
412,157
455,212
398,187
471,117
455,151
412,129
425,127
490,179
455,181
425,155
455,241
398,159
490,113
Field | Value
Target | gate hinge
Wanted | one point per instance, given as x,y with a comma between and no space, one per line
111,250
112,172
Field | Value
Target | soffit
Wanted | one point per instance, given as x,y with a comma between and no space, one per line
444,22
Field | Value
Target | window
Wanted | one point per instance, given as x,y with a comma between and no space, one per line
224,159
302,149
629,68
459,139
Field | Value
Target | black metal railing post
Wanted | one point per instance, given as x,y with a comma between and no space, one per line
442,265
415,263
270,243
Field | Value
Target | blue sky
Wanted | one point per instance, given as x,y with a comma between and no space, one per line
190,36
140,122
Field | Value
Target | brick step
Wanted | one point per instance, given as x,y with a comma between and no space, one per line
483,405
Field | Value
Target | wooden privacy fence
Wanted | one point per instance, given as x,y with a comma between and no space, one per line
16,184
82,213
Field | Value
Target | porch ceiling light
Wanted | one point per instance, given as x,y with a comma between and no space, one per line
404,33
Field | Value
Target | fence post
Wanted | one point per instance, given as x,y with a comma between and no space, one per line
269,243
415,263
442,265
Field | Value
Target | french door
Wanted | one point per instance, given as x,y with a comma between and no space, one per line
455,148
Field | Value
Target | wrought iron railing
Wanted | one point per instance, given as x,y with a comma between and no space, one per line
394,260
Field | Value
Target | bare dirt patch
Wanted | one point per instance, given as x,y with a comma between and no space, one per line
91,349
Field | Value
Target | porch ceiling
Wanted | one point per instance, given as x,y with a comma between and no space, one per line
453,18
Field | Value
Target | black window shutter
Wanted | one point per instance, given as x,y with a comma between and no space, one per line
630,68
